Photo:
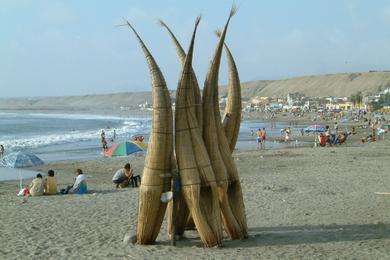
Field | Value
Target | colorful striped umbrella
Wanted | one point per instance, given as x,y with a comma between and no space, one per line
124,149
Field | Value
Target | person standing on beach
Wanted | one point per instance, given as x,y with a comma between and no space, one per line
263,138
287,134
1,151
258,133
103,141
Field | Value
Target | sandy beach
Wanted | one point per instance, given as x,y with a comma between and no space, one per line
302,203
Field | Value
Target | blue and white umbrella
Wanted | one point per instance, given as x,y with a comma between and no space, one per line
20,160
315,129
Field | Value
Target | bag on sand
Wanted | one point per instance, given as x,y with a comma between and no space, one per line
24,192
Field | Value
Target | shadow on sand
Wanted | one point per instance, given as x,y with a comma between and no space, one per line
294,235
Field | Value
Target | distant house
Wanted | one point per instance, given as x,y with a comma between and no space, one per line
144,105
295,99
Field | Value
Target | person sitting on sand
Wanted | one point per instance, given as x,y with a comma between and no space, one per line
341,138
37,186
79,186
322,139
123,177
50,184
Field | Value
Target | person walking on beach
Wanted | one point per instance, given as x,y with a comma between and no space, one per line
103,141
263,138
258,134
1,151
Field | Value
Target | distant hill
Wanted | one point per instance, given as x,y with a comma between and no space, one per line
337,85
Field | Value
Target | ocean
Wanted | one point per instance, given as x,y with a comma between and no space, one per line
66,136
76,136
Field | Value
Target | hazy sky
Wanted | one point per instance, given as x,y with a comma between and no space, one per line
72,47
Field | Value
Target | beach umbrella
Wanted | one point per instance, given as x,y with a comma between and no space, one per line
143,145
124,149
20,160
315,129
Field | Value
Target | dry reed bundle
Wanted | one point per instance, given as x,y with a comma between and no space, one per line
158,159
234,189
182,55
216,142
198,183
232,119
182,212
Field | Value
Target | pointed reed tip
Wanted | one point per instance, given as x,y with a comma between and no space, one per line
161,23
218,32
233,10
197,21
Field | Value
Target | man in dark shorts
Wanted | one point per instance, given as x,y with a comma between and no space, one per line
124,177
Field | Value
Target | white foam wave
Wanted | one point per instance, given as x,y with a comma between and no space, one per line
128,128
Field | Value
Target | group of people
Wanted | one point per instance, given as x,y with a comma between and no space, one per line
103,139
48,185
39,186
139,138
332,138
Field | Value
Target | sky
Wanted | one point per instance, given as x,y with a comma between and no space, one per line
73,47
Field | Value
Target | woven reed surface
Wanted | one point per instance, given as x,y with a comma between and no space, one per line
158,159
233,106
198,182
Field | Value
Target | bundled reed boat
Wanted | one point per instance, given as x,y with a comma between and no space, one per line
231,201
158,159
197,178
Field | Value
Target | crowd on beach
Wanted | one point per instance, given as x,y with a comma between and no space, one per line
39,186
373,126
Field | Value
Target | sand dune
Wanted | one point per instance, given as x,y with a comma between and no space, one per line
338,85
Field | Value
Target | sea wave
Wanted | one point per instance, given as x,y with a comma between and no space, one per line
127,129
